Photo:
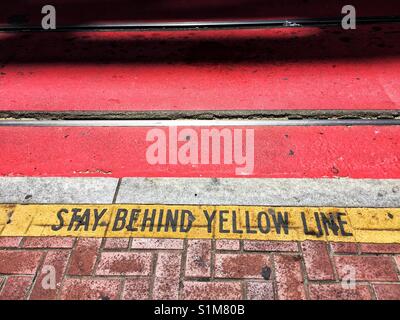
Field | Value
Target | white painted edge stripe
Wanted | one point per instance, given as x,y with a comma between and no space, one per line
196,123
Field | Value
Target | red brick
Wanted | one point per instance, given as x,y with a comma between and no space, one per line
317,261
58,260
273,246
239,266
48,242
198,259
166,281
368,268
84,257
19,261
116,243
387,291
10,242
159,244
193,290
397,259
260,291
16,288
289,278
136,289
335,291
124,263
90,289
379,248
344,247
227,245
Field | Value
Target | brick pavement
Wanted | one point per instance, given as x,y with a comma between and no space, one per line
195,269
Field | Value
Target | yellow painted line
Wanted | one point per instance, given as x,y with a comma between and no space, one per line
366,225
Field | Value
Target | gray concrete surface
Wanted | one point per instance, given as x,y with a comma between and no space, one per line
57,190
236,191
273,192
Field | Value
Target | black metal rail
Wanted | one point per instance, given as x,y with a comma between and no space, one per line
195,25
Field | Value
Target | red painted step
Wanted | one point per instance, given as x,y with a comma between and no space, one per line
275,69
281,152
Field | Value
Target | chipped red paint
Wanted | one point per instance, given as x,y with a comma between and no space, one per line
285,152
274,69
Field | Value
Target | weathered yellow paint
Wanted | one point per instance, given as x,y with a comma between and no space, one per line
367,225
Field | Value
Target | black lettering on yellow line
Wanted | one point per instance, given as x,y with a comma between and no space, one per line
367,225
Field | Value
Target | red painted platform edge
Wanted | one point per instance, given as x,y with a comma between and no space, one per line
286,69
279,152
